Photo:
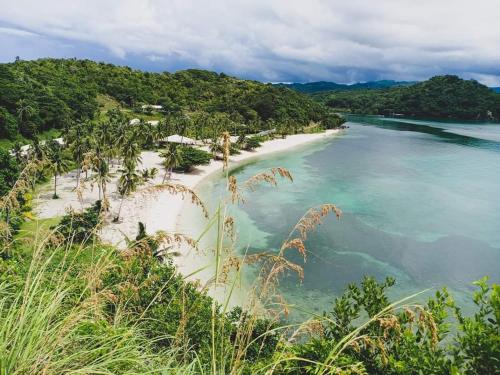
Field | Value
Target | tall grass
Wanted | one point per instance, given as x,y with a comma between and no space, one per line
51,324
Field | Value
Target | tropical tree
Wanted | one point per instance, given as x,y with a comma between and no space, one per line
149,134
131,151
172,158
127,184
101,177
25,111
37,150
18,154
78,148
58,165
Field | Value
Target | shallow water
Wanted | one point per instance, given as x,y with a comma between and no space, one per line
421,202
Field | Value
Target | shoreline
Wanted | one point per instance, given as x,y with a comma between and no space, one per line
162,210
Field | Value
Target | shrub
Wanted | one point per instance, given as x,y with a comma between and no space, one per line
81,226
192,157
252,143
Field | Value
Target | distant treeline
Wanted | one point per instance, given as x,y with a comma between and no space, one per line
39,95
322,86
439,97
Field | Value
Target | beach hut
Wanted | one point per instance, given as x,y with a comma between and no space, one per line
151,107
176,138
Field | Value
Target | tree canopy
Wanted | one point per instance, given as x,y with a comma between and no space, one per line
439,97
53,93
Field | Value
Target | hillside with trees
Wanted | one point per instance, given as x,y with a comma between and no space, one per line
45,94
322,86
440,97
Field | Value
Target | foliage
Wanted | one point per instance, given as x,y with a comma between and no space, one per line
191,157
251,143
9,171
478,343
55,93
52,322
81,226
439,97
411,339
322,86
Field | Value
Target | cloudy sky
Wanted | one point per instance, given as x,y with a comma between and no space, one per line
268,40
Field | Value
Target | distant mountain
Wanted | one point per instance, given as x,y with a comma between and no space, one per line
322,86
440,97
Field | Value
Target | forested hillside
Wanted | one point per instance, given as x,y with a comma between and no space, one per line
322,86
439,97
53,93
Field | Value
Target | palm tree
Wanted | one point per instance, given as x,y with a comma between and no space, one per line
149,134
78,148
101,176
37,150
24,113
131,152
127,184
58,165
172,159
17,151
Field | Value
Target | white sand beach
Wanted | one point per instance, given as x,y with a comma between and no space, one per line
160,211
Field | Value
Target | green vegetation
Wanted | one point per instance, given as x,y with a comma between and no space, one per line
440,97
72,304
191,157
80,226
54,94
322,86
9,171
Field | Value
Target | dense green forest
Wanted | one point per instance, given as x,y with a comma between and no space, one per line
36,96
321,86
440,97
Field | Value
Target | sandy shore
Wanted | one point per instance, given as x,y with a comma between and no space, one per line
158,212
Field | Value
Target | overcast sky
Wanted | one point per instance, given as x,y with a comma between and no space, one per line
269,40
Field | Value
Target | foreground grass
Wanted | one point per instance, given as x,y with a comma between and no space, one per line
52,324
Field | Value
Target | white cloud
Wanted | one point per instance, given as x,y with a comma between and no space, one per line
16,32
283,39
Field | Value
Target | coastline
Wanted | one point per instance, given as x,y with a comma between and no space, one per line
162,210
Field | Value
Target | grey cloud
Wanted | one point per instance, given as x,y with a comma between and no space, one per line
278,40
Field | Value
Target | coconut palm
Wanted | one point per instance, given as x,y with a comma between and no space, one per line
101,176
58,165
25,111
128,182
78,148
17,151
130,151
172,158
149,134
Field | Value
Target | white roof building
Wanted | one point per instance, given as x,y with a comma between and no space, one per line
176,138
136,121
151,106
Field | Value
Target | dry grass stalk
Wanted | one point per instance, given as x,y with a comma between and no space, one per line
226,146
143,246
9,202
177,189
232,186
314,217
269,177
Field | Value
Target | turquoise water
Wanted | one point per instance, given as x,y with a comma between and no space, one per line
421,202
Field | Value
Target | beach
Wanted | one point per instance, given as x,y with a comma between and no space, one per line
158,211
